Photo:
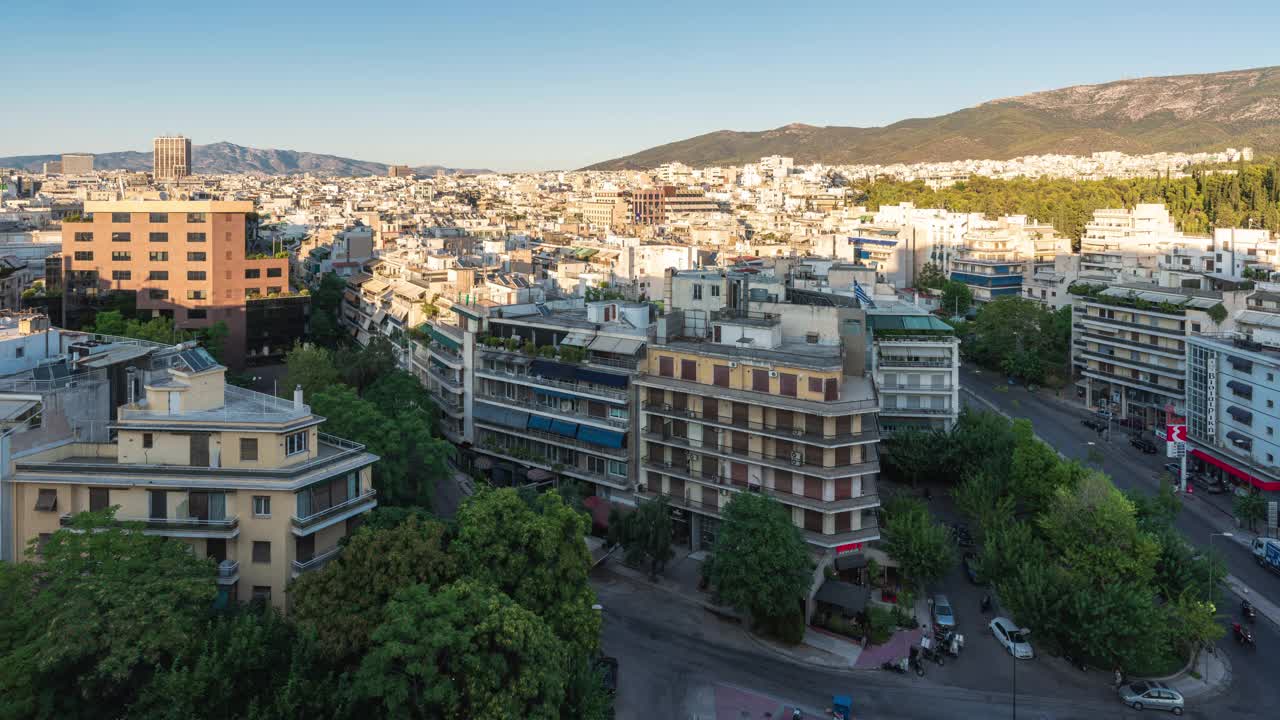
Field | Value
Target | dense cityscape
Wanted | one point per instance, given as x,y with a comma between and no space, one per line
964,407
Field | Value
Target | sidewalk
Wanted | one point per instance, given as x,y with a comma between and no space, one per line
1214,670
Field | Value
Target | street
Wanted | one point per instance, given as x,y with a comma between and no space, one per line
1058,424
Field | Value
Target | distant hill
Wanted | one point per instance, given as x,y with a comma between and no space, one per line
1189,113
228,158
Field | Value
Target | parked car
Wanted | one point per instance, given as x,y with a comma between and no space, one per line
1173,469
1093,424
1012,638
943,616
970,562
1210,485
1144,444
609,670
1151,694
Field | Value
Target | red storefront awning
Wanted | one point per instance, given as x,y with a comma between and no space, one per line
1251,479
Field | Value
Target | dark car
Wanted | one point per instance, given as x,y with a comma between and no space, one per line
608,667
970,562
1213,486
1093,424
1144,444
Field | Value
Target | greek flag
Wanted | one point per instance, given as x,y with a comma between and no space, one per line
862,295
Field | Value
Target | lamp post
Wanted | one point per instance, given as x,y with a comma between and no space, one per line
1209,589
1025,633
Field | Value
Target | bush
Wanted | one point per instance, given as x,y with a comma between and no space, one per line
788,629
881,625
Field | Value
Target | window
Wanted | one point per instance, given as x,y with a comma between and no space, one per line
689,370
195,237
273,289
155,294
715,291
617,468
197,275
252,274
148,440
121,256
815,384
158,274
595,465
195,257
1270,377
120,237
262,505
158,237
99,499
295,443
84,255
252,292
1271,403
121,217
47,500
261,551
121,275
159,256
617,412
248,449
274,272
84,237
720,375
198,314
262,594
19,352
697,291
1195,327
787,384
159,505
196,218
760,380
197,295
158,217
667,366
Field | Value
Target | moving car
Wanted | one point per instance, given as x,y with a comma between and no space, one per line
1093,424
1151,694
1012,638
1144,444
943,616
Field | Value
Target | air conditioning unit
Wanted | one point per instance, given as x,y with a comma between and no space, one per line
773,373
797,459
666,407
733,365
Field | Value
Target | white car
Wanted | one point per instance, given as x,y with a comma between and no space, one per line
1013,638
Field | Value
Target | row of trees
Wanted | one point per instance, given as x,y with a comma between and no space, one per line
1246,195
490,617
365,397
1020,338
1096,573
160,330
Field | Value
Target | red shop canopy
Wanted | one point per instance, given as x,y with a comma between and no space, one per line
1251,479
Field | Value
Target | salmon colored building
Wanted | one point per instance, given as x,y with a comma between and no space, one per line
191,260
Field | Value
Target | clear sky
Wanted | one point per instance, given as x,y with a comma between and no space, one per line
543,84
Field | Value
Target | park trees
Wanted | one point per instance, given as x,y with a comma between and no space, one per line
957,298
646,535
921,546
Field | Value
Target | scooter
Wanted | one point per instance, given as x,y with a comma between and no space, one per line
953,642
1244,635
916,662
986,604
898,666
1249,611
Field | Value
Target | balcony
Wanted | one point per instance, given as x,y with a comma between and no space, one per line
868,499
910,362
559,440
737,316
862,535
320,519
521,457
1123,341
910,411
907,387
1098,374
790,463
1176,372
781,432
683,502
225,528
535,381
316,562
611,422
859,391
445,379
228,572
1171,332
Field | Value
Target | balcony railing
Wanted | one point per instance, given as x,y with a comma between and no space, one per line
620,423
899,411
586,389
884,361
1120,340
365,498
446,380
1109,358
795,463
868,498
921,388
682,502
1141,326
316,562
772,429
1110,376
173,524
747,317
555,439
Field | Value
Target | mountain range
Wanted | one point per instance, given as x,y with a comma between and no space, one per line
228,158
1189,113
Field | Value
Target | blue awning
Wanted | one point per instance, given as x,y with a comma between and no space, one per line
602,378
596,436
484,412
537,422
567,429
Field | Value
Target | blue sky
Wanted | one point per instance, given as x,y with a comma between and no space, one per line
542,85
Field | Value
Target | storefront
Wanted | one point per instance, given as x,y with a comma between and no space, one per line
1219,466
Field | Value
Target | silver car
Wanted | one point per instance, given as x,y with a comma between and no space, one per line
1012,638
1151,694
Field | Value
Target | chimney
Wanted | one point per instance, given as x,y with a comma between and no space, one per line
297,398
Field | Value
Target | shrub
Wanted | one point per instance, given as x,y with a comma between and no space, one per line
881,625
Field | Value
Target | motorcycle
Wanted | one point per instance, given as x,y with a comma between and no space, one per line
898,666
953,642
916,662
931,650
1243,635
1249,611
986,604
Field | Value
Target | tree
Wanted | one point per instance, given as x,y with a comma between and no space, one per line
957,298
1037,473
761,564
467,651
1094,529
536,554
343,603
107,322
214,339
647,536
921,546
1250,509
930,277
325,301
361,367
915,454
310,366
105,607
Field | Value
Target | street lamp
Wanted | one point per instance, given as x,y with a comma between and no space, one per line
1209,597
1025,633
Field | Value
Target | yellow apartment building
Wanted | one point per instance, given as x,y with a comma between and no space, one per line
244,478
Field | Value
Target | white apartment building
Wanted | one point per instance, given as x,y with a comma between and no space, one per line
915,360
1120,245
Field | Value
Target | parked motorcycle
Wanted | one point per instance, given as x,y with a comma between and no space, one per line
952,643
898,666
1243,635
916,663
1249,611
986,604
931,650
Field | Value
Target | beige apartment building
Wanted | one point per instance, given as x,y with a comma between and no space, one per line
246,479
171,157
194,261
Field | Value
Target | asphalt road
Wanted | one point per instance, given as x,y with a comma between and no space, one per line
1253,689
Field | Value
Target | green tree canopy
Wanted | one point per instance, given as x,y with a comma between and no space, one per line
310,366
910,536
646,535
466,651
957,298
761,564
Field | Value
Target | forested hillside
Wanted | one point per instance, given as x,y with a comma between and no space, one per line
1245,195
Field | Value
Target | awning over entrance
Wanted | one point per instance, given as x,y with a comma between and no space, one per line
848,597
851,562
1232,470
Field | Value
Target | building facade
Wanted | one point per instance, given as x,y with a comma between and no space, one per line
915,358
77,164
171,157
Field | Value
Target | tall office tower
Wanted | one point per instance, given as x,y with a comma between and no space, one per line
172,157
77,163
399,171
195,261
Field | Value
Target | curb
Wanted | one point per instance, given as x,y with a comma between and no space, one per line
1185,669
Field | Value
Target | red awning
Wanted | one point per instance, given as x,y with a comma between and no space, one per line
1251,479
